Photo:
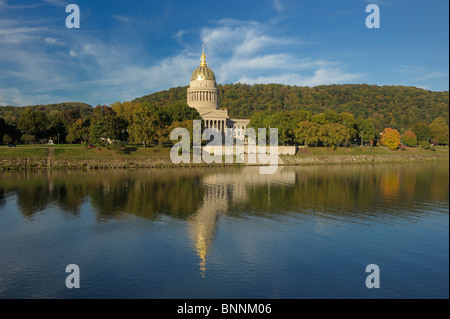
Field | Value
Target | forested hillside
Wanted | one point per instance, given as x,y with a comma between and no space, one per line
330,115
398,107
71,109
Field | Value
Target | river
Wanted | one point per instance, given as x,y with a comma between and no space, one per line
304,232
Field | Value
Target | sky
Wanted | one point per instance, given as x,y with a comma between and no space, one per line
127,49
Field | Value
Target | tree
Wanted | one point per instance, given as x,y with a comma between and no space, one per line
78,131
439,130
2,127
180,112
149,124
333,134
348,120
28,138
106,126
7,139
56,126
422,131
391,138
410,139
306,133
33,122
366,130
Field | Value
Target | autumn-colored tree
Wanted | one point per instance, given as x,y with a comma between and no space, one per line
391,138
410,139
306,133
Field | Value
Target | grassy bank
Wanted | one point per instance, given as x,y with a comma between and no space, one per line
78,157
348,155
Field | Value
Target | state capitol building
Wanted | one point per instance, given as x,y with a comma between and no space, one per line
203,95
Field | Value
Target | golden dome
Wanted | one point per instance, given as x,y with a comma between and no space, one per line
203,72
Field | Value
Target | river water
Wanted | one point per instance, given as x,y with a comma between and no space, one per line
304,232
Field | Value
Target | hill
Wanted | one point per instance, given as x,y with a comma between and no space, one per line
11,113
390,106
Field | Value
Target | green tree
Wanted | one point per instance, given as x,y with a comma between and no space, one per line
391,138
409,139
33,122
366,130
106,126
422,131
180,112
348,120
149,125
79,131
439,130
56,126
333,134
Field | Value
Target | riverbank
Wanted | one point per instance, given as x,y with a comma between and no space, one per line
77,157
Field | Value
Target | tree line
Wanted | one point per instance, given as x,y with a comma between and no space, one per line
137,123
333,115
334,129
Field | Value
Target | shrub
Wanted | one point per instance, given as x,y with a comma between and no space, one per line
425,145
410,139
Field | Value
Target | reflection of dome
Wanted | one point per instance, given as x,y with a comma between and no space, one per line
203,72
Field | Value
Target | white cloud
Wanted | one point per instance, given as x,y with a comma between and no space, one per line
432,75
242,52
64,66
320,77
420,76
122,18
15,97
278,5
58,3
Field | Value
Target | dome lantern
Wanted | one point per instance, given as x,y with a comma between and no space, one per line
203,72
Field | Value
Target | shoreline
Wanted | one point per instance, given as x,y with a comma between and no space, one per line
115,162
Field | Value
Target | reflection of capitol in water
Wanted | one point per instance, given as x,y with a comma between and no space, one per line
220,189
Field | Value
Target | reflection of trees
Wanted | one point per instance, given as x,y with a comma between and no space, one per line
2,198
199,196
142,193
147,194
359,190
36,190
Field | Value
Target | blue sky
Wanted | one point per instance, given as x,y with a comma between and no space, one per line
127,49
